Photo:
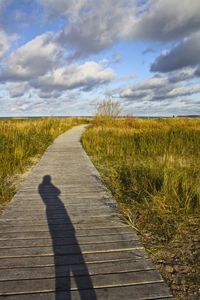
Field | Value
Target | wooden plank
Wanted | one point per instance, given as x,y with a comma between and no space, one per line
70,249
69,207
74,199
133,292
100,223
79,281
79,232
62,214
30,211
30,242
157,293
44,260
80,269
64,225
86,193
101,294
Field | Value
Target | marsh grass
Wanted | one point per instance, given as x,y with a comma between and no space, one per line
21,141
152,168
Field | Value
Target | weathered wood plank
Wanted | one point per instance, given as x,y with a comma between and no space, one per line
65,225
80,281
70,249
133,292
79,269
41,260
70,207
30,242
59,233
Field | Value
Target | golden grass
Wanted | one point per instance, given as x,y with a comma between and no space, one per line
152,167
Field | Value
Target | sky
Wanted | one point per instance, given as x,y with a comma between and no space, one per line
62,57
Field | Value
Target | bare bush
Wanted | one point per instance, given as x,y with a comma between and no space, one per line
108,108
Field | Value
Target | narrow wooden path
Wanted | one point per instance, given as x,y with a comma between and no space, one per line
62,238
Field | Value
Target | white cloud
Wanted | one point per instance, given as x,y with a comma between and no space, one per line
99,25
160,88
33,59
41,64
184,91
144,88
182,75
92,26
85,77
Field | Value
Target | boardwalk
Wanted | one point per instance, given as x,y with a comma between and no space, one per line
61,238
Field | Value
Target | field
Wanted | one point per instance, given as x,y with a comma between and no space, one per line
22,142
152,168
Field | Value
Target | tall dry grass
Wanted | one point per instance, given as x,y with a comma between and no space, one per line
21,140
152,167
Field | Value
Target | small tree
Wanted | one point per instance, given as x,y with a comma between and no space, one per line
108,108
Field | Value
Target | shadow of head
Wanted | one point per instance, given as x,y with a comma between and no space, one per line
48,191
46,179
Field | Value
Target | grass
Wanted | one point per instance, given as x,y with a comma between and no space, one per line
152,168
21,142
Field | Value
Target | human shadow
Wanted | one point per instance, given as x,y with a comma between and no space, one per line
68,259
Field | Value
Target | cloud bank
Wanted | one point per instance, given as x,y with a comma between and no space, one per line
74,49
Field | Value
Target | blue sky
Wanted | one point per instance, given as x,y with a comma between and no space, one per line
63,57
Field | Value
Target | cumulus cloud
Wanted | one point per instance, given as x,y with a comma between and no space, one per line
98,26
160,88
85,77
92,27
33,59
183,91
41,63
134,94
159,93
165,20
144,90
186,53
147,84
182,75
